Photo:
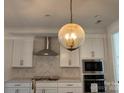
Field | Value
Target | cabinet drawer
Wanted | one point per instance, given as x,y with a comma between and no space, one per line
17,85
46,85
69,90
66,90
69,85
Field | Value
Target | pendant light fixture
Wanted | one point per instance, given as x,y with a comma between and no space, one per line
71,35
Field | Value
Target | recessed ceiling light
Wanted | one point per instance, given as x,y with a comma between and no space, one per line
98,21
47,15
97,16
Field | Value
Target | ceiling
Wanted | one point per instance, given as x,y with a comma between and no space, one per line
55,13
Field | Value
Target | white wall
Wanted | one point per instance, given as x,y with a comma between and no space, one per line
7,58
114,27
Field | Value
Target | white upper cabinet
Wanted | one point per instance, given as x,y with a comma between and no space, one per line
92,48
22,52
69,58
98,48
86,48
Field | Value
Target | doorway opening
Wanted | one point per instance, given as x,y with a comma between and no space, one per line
115,48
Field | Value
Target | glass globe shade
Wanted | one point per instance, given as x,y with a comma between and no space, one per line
71,36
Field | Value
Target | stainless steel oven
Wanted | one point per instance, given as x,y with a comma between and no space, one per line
91,79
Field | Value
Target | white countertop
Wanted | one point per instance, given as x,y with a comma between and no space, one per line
19,81
29,80
69,81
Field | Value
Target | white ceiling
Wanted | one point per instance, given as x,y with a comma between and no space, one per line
31,13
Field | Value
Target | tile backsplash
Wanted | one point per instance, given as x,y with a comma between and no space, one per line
45,65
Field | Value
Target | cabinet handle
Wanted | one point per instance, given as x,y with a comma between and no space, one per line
69,62
92,53
69,84
17,85
21,62
69,92
43,90
16,91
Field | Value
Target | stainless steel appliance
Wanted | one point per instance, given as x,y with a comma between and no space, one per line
93,74
47,51
92,65
97,79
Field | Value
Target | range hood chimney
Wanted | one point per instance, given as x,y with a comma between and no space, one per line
47,49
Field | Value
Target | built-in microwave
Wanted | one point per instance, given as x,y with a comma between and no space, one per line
92,65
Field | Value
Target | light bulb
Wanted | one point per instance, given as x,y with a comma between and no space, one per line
71,36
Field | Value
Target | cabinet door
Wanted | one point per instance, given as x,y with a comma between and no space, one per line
10,90
66,90
22,90
68,58
39,90
64,57
98,47
78,90
51,90
74,58
28,52
86,48
22,52
17,90
92,48
46,90
18,47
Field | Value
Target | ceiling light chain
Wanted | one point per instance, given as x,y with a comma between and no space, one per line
71,35
71,18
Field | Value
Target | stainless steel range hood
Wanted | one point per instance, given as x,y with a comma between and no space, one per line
47,51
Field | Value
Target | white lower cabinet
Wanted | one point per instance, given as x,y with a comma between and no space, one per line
78,90
43,87
66,90
69,88
17,90
46,90
48,87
